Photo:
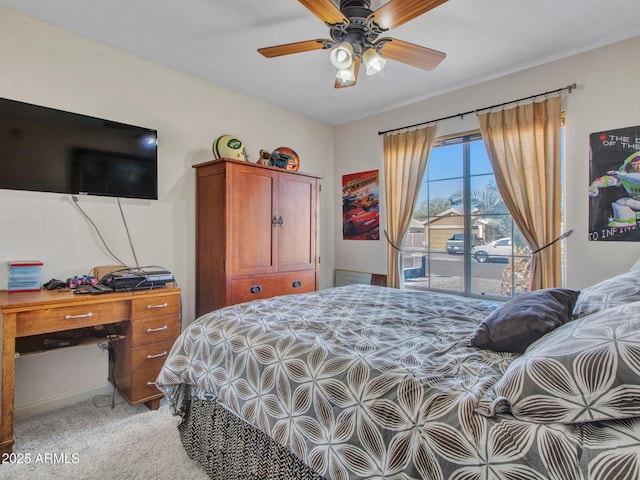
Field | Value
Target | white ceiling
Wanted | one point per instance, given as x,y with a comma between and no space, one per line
217,41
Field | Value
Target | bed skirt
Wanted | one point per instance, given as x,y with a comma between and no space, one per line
228,447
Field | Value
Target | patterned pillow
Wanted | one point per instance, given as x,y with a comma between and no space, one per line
618,290
586,370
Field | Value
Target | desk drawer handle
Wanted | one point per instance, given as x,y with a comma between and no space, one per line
73,317
158,355
162,305
151,330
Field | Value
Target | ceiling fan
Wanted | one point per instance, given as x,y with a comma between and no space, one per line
355,30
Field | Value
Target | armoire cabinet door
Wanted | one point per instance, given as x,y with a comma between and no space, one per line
297,198
252,194
256,235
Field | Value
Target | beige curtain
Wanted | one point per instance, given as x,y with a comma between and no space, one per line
523,144
405,161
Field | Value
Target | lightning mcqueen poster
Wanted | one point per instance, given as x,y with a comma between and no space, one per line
360,210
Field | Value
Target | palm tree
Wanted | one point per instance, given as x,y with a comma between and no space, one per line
487,205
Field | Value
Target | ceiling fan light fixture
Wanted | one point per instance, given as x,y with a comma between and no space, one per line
373,62
355,28
346,75
342,56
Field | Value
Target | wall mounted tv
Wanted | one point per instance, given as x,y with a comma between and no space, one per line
47,150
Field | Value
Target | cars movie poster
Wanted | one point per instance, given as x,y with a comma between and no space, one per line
614,185
360,209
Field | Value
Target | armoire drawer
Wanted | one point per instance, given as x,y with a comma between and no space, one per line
245,289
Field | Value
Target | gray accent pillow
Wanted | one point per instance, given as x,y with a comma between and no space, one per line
524,319
618,290
586,370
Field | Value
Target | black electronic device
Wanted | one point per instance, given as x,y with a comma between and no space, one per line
50,343
47,150
54,284
144,278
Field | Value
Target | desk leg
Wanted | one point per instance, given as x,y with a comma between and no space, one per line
153,404
8,381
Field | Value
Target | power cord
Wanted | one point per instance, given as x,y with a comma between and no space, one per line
133,250
74,199
113,357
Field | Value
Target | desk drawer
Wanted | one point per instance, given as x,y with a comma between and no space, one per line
66,318
156,329
146,363
153,306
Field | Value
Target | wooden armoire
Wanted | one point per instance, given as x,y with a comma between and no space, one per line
256,233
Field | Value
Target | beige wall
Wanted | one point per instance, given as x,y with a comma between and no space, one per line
48,66
606,98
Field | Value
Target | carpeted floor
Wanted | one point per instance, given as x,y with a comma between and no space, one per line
84,441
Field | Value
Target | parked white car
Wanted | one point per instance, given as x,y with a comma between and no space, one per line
498,250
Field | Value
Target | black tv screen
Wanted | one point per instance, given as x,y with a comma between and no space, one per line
47,150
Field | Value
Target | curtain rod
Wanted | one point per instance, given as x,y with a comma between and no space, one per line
569,88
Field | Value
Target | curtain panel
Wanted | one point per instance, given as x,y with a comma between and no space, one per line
523,144
405,161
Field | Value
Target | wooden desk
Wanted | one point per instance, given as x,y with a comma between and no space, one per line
149,320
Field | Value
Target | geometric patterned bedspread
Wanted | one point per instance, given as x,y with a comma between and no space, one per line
371,382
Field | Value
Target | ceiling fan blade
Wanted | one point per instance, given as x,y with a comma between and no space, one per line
297,47
325,10
411,54
356,69
396,12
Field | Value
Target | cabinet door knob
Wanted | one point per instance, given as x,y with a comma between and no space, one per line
274,220
280,220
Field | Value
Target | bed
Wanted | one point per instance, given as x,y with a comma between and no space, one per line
370,382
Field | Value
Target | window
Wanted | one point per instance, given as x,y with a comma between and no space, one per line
462,238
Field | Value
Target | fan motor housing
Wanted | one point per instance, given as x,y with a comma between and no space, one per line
355,8
357,32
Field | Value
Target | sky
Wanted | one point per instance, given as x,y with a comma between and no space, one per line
445,169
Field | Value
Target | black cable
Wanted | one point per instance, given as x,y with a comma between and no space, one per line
113,356
88,219
133,250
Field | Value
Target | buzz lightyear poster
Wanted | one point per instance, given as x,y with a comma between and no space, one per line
614,188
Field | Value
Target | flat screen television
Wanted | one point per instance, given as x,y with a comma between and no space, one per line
47,150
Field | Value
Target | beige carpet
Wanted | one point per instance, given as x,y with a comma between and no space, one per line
85,441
